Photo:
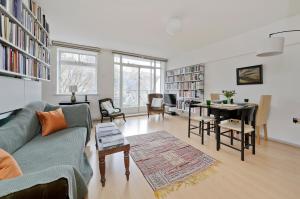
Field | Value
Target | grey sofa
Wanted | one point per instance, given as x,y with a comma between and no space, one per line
54,166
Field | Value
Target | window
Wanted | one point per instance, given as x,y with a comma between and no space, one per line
78,68
134,79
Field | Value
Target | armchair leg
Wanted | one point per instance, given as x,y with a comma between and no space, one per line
148,115
101,119
124,118
111,119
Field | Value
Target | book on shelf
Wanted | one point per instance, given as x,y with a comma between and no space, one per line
17,9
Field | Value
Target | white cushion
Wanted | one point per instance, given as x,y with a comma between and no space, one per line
157,102
108,106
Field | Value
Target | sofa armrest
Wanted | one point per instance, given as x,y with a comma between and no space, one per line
57,189
78,115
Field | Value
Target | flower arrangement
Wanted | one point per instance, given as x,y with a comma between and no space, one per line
228,94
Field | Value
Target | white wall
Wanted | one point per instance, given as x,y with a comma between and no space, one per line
16,93
281,74
105,82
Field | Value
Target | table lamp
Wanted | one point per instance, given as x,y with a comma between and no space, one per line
73,90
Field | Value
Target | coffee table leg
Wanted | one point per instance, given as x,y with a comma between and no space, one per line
126,162
102,169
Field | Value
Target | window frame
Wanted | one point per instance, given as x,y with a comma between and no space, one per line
79,52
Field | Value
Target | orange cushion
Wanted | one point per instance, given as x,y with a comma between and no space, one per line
52,121
9,168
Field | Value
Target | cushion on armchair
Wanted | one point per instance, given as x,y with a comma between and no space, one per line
108,106
157,102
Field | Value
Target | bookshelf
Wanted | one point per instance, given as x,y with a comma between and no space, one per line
24,40
187,83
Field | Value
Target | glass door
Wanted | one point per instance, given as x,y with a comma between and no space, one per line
146,87
130,90
134,79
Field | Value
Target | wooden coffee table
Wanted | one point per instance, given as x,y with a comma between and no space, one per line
104,151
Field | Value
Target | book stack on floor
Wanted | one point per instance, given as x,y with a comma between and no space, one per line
109,135
24,39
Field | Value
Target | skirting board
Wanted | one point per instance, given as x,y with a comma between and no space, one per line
282,142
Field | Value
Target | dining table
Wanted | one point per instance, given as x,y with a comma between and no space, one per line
222,112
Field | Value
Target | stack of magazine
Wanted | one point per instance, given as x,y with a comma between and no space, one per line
109,135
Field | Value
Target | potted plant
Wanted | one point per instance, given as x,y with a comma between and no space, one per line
228,94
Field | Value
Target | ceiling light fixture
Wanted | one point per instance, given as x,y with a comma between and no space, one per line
272,45
173,26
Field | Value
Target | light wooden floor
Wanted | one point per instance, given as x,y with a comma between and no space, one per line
274,172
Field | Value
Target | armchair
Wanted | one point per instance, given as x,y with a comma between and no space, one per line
155,110
105,113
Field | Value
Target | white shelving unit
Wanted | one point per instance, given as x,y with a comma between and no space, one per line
187,83
45,66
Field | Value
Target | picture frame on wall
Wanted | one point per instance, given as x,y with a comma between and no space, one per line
249,75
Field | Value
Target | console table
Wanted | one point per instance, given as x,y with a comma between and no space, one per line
72,103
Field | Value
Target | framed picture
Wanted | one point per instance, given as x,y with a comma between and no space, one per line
249,75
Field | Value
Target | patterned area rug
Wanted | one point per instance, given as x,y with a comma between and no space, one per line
168,163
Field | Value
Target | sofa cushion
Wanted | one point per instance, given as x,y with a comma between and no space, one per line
21,128
62,148
52,121
9,168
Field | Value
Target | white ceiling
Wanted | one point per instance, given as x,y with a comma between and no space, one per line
139,25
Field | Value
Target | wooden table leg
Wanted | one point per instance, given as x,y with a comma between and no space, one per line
102,168
126,162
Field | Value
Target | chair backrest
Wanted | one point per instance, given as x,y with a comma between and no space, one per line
105,100
249,115
263,110
214,96
154,95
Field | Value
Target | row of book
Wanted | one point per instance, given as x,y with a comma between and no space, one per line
14,7
184,106
196,94
37,11
186,77
13,61
14,34
32,26
185,86
188,69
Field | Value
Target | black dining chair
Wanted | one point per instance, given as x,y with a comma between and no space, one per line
245,126
204,123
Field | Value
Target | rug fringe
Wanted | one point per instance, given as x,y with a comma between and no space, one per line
189,181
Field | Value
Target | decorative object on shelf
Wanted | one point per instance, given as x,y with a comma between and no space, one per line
228,94
249,75
246,100
272,45
73,90
85,98
296,120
